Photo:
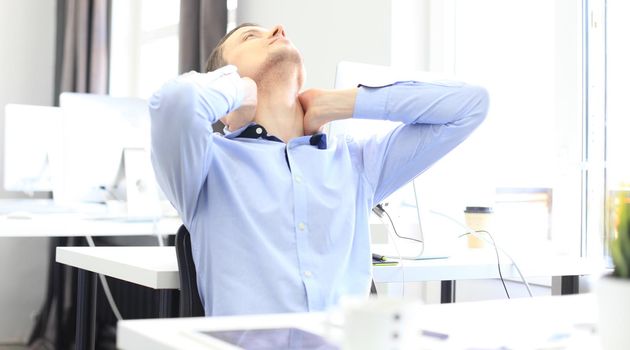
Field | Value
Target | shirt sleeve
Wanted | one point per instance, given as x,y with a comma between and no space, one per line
435,117
182,113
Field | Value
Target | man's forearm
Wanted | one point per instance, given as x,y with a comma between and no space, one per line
323,106
421,103
338,104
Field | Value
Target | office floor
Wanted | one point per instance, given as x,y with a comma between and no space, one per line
13,347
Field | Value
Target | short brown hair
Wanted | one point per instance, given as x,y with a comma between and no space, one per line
216,60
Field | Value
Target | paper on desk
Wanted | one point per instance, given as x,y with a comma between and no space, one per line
541,336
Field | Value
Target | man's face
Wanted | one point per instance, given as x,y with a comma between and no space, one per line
255,50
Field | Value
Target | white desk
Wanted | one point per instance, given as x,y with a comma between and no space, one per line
153,267
156,267
523,323
481,264
472,264
44,219
76,225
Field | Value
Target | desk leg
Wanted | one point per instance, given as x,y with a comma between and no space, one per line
86,310
166,303
447,292
569,285
59,285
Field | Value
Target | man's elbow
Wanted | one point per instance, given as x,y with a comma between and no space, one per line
479,103
174,93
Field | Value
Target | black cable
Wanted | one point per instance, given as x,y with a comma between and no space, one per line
394,227
496,250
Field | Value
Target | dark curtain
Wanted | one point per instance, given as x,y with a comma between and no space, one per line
81,65
202,24
83,45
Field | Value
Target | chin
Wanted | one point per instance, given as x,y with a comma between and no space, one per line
283,60
285,54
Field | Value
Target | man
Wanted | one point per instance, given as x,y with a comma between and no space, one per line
277,212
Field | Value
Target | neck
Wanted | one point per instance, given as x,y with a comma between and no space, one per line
278,108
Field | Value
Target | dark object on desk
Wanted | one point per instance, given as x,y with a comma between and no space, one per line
380,260
378,257
189,300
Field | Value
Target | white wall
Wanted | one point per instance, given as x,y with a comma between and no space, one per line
410,35
327,31
27,36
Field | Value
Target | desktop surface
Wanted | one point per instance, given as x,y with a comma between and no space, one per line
562,322
32,206
46,218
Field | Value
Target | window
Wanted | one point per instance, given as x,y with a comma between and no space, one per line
617,107
144,49
232,6
526,159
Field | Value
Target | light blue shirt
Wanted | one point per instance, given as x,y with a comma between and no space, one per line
281,227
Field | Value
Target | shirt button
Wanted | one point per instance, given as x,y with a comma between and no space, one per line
298,179
308,274
301,226
259,131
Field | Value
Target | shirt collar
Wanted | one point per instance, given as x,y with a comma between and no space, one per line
256,131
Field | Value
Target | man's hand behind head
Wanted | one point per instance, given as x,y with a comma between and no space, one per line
323,106
247,111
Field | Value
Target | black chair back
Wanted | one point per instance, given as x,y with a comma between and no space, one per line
189,300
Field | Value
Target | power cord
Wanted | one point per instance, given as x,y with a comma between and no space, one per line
496,250
379,211
400,258
473,232
106,290
108,293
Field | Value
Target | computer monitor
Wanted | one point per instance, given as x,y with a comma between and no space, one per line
408,216
32,136
98,131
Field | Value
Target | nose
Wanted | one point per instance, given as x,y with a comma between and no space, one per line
278,30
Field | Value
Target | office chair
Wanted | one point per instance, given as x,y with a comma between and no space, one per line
189,300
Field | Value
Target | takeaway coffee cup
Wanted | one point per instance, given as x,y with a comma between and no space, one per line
478,219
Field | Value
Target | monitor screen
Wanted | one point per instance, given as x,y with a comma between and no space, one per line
409,219
31,139
96,129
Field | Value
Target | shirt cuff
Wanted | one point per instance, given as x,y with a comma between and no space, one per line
371,103
226,80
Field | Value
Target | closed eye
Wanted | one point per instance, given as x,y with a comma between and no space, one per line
252,33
